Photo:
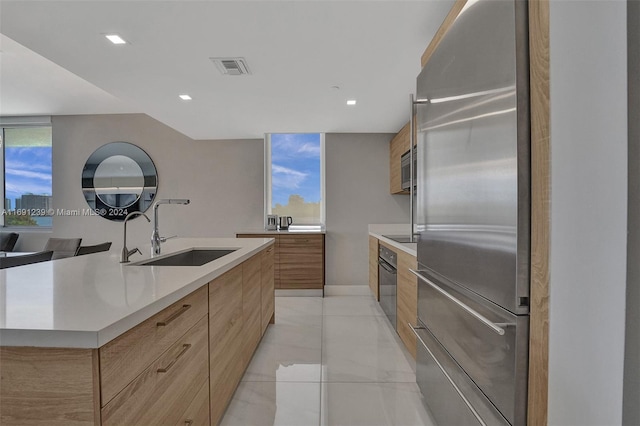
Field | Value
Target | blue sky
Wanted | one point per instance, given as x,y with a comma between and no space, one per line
295,166
27,170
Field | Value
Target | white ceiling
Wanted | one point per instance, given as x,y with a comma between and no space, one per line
55,60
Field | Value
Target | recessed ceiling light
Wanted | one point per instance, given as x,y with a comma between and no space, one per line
115,39
185,97
351,102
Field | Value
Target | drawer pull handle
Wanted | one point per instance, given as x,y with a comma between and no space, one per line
301,241
493,326
188,422
185,348
175,315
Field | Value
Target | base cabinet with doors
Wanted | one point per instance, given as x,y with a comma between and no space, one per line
298,259
180,366
406,290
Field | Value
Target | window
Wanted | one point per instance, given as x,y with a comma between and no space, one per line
26,169
294,181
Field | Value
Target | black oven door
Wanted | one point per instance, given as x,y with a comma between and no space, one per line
387,280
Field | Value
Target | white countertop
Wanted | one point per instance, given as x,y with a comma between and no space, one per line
377,231
86,301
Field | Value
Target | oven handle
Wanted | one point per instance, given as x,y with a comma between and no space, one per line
466,401
386,266
493,326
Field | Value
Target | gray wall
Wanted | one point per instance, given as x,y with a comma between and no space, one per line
225,182
631,408
223,179
588,102
357,192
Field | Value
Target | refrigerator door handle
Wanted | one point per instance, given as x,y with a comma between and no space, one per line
466,401
492,325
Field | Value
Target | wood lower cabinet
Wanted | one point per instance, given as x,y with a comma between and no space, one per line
373,267
179,367
406,291
197,413
165,389
268,286
251,308
298,259
225,339
407,300
125,357
302,261
49,386
239,301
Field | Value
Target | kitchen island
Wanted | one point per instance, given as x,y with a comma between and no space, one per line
88,340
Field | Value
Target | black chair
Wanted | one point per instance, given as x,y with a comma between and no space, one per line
62,247
26,259
82,250
8,241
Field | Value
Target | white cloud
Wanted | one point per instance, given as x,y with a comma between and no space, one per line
311,149
284,177
288,146
29,187
29,174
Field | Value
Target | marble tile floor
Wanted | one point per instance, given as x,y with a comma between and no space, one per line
329,361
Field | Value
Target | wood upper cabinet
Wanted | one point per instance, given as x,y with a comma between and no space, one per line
298,260
373,267
407,300
398,146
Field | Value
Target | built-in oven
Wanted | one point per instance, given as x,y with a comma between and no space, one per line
405,169
387,282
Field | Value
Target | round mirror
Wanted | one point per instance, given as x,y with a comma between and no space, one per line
117,179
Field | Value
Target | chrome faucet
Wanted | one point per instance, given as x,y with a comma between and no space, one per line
156,239
124,258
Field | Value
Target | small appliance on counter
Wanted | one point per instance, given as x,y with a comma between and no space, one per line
285,222
272,222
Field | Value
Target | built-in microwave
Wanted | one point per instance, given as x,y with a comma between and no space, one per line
405,167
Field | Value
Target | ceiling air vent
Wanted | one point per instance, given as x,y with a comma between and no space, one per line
231,66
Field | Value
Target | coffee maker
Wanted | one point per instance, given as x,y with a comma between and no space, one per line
272,222
284,222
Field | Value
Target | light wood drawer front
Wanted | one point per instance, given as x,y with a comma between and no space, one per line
122,359
301,261
197,414
162,393
307,241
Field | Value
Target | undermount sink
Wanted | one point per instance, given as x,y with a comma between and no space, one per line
193,257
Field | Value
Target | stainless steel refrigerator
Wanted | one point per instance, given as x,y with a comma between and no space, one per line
473,218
